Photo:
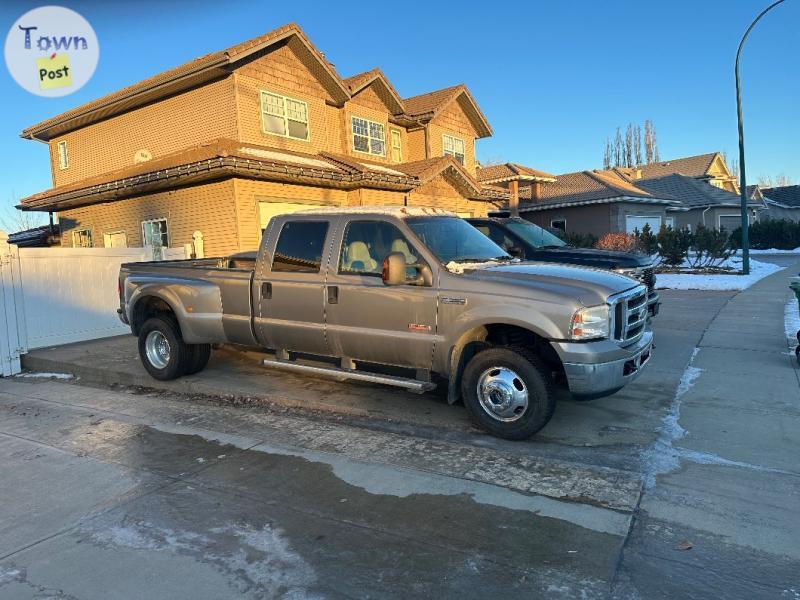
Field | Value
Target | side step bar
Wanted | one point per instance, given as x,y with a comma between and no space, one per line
413,385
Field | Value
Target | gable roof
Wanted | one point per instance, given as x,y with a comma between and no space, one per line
511,171
361,81
588,187
194,72
693,166
690,192
426,107
787,195
446,166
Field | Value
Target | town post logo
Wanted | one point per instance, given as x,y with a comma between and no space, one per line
51,51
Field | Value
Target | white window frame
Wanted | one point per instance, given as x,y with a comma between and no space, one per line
77,232
369,137
555,221
284,116
399,147
115,232
453,139
63,155
150,221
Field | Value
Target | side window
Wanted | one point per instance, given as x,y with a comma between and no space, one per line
300,247
366,244
500,237
559,224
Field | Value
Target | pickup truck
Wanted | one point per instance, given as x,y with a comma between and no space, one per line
405,297
528,241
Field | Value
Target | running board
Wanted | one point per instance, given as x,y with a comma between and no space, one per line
413,385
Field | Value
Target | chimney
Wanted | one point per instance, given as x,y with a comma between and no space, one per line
536,191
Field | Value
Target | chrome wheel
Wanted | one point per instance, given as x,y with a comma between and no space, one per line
157,349
502,394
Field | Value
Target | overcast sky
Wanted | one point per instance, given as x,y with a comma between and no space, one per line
554,79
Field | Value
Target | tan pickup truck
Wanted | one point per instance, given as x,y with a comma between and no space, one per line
402,297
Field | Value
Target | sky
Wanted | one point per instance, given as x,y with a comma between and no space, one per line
554,79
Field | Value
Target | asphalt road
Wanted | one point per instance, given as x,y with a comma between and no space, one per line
683,485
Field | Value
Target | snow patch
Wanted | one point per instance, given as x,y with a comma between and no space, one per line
37,375
708,281
791,322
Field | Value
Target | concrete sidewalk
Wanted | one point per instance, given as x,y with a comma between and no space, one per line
724,474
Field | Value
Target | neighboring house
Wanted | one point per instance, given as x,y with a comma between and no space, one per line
36,237
215,147
781,203
710,168
699,203
596,202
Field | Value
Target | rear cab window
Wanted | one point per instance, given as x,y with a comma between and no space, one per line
300,247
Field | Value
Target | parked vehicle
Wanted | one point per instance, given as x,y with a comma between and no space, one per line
528,241
415,289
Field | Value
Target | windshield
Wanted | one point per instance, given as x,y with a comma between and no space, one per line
453,239
534,235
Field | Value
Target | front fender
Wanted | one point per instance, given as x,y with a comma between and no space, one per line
197,305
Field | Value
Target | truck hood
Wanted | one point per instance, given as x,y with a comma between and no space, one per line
605,259
588,286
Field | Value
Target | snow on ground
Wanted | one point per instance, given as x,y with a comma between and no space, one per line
38,375
791,320
773,251
714,281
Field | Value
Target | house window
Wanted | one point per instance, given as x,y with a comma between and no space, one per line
397,148
115,239
369,137
63,157
454,147
636,223
559,224
154,233
669,222
730,222
284,116
82,238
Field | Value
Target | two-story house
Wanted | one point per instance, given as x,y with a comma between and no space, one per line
217,146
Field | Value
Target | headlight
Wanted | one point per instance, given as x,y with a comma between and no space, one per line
590,323
628,272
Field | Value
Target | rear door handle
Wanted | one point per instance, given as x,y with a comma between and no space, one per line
266,290
333,294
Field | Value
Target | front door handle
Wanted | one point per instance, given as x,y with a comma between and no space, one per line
333,294
266,290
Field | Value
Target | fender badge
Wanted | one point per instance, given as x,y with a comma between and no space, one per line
418,327
451,300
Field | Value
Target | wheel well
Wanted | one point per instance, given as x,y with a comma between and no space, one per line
146,308
503,334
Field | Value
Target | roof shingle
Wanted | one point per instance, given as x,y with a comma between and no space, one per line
788,195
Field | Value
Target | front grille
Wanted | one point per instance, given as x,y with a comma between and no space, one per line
630,315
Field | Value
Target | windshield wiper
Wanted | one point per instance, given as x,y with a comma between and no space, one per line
480,259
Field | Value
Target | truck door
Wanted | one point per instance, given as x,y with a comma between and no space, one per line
367,320
289,285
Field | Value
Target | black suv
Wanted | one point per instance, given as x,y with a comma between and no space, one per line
527,241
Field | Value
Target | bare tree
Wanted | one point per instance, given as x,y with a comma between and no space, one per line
618,148
607,155
649,142
13,220
656,156
637,145
629,145
779,180
492,161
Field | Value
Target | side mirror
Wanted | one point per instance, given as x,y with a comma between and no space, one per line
394,269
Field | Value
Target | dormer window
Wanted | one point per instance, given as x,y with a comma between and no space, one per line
368,137
284,116
453,146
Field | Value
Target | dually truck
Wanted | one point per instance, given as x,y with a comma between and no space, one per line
401,296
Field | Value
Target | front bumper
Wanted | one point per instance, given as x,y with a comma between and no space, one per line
653,303
602,368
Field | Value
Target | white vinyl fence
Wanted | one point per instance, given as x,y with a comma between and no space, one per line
52,296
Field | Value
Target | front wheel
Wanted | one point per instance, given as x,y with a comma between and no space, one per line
508,392
162,350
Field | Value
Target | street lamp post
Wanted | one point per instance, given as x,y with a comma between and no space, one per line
742,178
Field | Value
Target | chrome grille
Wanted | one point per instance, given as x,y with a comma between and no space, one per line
630,314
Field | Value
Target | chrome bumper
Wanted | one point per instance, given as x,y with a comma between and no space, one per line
588,378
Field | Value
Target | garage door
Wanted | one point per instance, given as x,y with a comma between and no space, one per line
267,210
632,223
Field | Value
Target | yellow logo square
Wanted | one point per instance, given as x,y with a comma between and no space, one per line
54,71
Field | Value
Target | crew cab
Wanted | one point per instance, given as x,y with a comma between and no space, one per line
528,241
402,297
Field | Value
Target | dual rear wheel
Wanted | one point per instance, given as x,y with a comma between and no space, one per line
165,355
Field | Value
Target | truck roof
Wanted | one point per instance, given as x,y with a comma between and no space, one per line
401,212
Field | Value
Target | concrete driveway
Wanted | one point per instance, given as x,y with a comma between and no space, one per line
244,482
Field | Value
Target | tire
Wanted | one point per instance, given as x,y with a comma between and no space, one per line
506,376
198,358
163,363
